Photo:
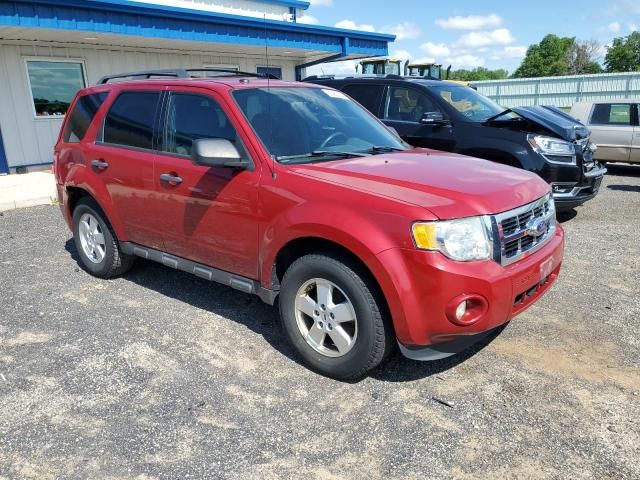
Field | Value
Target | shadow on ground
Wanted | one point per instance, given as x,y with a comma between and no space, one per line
623,170
264,319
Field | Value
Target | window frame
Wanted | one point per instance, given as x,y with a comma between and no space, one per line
633,115
26,61
156,121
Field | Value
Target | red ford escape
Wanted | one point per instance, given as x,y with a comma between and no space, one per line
297,194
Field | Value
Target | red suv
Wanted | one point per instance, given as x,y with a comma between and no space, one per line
295,193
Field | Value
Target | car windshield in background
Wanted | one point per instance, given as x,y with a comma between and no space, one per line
471,104
302,125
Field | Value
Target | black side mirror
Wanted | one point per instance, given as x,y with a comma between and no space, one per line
217,152
434,118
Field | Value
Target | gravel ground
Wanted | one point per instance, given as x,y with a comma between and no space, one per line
162,375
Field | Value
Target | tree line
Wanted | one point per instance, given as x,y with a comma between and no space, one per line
555,56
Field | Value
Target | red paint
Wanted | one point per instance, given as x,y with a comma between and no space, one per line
238,221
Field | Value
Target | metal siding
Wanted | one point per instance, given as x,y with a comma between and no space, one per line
29,140
561,91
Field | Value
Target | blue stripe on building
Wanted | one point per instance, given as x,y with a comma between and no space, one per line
123,17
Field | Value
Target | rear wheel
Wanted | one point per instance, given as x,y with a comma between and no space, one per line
333,317
96,242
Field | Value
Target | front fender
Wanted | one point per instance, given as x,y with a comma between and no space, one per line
362,235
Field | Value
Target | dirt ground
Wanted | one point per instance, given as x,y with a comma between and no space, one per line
162,375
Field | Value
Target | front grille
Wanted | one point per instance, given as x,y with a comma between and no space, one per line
525,229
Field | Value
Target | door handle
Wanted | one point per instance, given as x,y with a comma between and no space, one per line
99,164
172,180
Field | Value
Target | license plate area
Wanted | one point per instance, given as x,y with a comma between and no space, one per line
546,268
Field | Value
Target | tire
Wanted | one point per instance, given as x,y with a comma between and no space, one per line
311,329
107,261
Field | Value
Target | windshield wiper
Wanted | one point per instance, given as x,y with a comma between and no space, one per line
316,154
383,149
498,115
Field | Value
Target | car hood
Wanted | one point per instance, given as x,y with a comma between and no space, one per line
555,120
447,184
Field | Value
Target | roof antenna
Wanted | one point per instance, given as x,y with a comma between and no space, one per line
266,50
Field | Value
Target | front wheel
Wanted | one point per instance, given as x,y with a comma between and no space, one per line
334,317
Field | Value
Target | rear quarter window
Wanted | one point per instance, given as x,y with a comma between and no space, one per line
82,115
131,118
611,114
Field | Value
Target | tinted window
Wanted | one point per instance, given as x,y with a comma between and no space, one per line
130,120
83,114
408,104
611,114
192,117
368,96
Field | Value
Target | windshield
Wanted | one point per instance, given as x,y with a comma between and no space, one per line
472,105
313,124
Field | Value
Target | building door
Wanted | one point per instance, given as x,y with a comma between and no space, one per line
4,167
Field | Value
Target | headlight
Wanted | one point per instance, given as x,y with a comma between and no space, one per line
463,240
554,149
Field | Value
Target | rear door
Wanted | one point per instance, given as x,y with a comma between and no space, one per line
211,214
124,157
403,109
612,130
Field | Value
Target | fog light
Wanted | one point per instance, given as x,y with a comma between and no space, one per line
467,309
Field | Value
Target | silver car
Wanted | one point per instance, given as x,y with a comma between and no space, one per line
614,128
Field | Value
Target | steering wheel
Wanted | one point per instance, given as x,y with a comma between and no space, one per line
332,137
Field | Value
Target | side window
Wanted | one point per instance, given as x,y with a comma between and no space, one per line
407,105
611,114
131,118
191,117
83,114
368,96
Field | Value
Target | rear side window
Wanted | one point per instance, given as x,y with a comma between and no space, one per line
611,114
83,114
369,96
131,119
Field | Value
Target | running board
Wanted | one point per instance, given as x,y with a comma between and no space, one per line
236,282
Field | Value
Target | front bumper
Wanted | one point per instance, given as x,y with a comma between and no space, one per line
569,195
427,282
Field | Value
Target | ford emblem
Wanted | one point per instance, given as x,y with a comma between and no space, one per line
538,227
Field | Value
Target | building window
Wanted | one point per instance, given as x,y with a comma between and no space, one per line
54,84
234,68
275,72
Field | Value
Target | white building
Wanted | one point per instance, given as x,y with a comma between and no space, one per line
51,48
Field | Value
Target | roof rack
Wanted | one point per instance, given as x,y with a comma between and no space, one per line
180,73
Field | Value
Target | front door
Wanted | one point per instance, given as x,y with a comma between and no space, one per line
210,214
404,109
124,159
612,129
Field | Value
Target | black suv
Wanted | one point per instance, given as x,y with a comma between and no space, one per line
449,116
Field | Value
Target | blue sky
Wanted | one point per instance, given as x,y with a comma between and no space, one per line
467,33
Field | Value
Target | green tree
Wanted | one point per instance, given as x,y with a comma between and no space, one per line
624,54
547,58
477,74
